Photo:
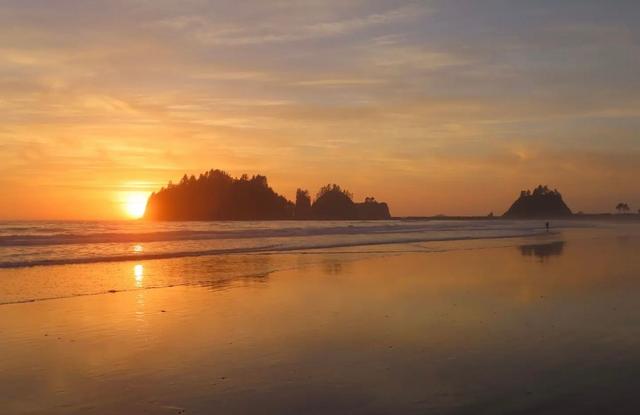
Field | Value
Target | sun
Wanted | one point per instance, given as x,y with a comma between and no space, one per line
135,204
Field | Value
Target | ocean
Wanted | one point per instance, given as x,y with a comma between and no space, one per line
26,244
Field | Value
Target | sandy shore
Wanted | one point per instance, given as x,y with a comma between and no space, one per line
541,327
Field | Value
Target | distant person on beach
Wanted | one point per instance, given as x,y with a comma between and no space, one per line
547,225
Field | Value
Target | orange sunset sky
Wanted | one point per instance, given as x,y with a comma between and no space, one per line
433,106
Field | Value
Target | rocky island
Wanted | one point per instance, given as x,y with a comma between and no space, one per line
215,195
539,203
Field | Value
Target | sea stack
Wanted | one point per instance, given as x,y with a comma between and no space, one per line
541,203
215,195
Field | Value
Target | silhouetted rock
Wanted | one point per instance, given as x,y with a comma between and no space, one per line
303,204
333,203
540,203
372,210
215,195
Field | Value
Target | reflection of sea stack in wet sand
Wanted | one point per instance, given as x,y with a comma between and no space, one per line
543,251
542,202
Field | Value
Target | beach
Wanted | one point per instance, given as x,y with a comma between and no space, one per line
536,323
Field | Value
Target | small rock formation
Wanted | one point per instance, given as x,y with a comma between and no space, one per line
334,203
370,209
303,205
541,203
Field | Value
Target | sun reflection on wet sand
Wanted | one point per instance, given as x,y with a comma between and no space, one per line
138,274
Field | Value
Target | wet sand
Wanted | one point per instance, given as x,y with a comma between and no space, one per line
544,326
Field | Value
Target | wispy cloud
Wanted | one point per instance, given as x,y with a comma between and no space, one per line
214,33
338,82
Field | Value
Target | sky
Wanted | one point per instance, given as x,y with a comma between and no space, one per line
437,107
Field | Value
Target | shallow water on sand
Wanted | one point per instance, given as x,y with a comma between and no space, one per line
549,324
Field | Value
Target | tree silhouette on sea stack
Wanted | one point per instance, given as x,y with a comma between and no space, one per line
622,208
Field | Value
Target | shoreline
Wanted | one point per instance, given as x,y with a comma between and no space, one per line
115,275
268,250
580,216
108,242
633,217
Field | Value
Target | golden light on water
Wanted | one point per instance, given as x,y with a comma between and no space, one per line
134,204
138,274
